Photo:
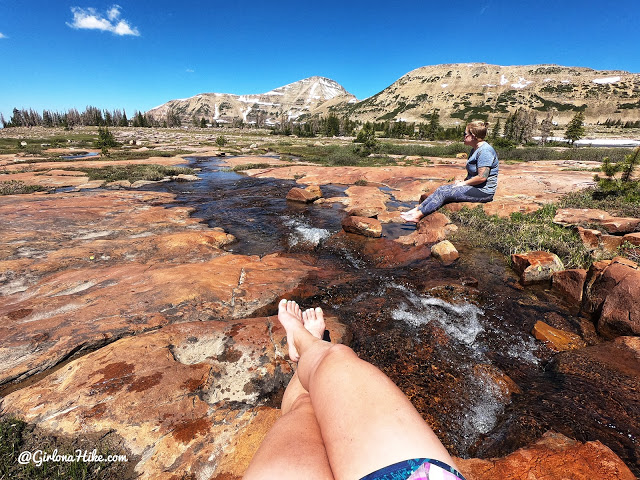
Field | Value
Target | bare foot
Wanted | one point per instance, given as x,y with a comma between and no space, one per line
290,317
313,320
414,215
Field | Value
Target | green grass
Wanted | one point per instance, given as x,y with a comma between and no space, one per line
249,166
624,204
16,187
522,233
17,436
133,173
331,155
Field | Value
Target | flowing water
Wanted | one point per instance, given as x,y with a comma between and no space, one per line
455,339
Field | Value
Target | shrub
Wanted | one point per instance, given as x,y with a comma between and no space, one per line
105,139
15,187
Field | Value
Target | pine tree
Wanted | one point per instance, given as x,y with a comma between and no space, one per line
575,128
546,127
495,132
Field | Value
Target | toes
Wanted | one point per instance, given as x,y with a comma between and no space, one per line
282,306
319,314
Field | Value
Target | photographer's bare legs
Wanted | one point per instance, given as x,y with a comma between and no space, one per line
293,448
366,422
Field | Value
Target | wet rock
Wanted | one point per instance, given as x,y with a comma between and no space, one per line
368,227
430,229
570,284
596,378
614,296
536,267
445,252
183,177
556,339
554,456
304,195
506,386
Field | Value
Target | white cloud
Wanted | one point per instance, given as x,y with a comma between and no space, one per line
2,35
114,12
189,70
89,19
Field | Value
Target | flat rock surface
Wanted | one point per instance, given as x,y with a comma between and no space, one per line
181,392
522,187
65,258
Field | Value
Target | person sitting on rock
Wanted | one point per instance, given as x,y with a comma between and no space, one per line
480,184
343,418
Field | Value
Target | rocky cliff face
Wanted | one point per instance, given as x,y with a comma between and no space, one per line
283,103
460,91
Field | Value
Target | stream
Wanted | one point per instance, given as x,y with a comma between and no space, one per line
455,339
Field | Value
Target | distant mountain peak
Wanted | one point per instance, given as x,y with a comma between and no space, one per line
292,101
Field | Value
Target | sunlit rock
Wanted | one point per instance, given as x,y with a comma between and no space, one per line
430,229
304,195
556,339
590,238
368,227
570,284
554,456
632,238
614,294
445,252
536,267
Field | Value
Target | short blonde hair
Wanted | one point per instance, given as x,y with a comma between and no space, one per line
478,129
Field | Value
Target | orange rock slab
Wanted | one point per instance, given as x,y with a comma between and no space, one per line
553,457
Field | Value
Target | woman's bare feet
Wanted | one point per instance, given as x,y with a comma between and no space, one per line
290,317
313,320
414,215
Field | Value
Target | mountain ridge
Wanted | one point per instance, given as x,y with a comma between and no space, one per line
458,91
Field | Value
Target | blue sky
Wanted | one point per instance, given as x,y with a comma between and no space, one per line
132,54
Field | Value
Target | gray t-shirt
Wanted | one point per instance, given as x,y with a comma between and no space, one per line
484,156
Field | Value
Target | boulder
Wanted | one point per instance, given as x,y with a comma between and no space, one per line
590,238
554,456
304,195
632,238
363,211
368,227
463,156
430,229
536,267
619,225
445,252
570,284
611,243
556,339
614,296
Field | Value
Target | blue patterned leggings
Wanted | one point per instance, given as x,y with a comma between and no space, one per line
451,193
